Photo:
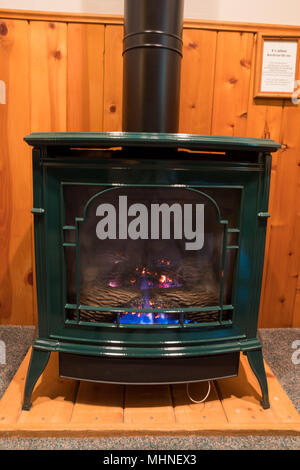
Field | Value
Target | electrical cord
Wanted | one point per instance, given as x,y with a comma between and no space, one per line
203,399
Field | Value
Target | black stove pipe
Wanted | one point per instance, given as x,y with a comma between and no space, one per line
151,65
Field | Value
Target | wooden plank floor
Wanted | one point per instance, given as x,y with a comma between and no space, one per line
63,407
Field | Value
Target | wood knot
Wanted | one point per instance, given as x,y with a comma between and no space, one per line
233,80
193,106
193,45
30,278
243,115
52,25
57,55
3,29
113,108
245,63
282,299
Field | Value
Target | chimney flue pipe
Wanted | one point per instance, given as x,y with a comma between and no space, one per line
151,65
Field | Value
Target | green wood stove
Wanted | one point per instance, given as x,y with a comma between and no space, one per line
149,244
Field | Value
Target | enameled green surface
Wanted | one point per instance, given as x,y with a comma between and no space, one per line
249,170
131,139
247,166
51,172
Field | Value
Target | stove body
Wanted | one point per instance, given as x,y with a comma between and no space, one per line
152,305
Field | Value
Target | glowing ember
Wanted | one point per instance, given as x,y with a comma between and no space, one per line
165,282
146,280
113,284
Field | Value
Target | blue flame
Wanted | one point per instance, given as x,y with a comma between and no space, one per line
133,318
146,281
150,318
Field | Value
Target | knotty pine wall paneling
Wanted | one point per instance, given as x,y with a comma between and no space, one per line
64,72
113,78
85,74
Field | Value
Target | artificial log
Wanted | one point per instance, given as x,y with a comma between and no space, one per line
96,295
121,283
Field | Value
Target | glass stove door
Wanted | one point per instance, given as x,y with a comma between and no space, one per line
150,255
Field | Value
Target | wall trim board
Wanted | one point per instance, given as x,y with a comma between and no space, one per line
64,17
217,25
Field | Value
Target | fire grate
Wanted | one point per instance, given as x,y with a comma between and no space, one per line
177,318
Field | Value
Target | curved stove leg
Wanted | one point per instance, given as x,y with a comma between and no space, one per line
38,362
255,359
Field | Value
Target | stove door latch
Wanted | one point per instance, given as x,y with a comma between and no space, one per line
263,215
37,211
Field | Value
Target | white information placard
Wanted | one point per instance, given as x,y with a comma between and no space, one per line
279,66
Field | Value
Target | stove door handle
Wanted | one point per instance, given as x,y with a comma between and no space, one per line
37,211
263,215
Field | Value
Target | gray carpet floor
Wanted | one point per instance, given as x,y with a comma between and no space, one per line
277,348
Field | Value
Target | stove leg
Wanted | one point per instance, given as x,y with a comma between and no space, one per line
255,359
38,362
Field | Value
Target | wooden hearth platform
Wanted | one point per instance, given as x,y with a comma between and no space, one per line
66,408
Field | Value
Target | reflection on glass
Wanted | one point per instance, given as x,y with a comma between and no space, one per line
153,274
